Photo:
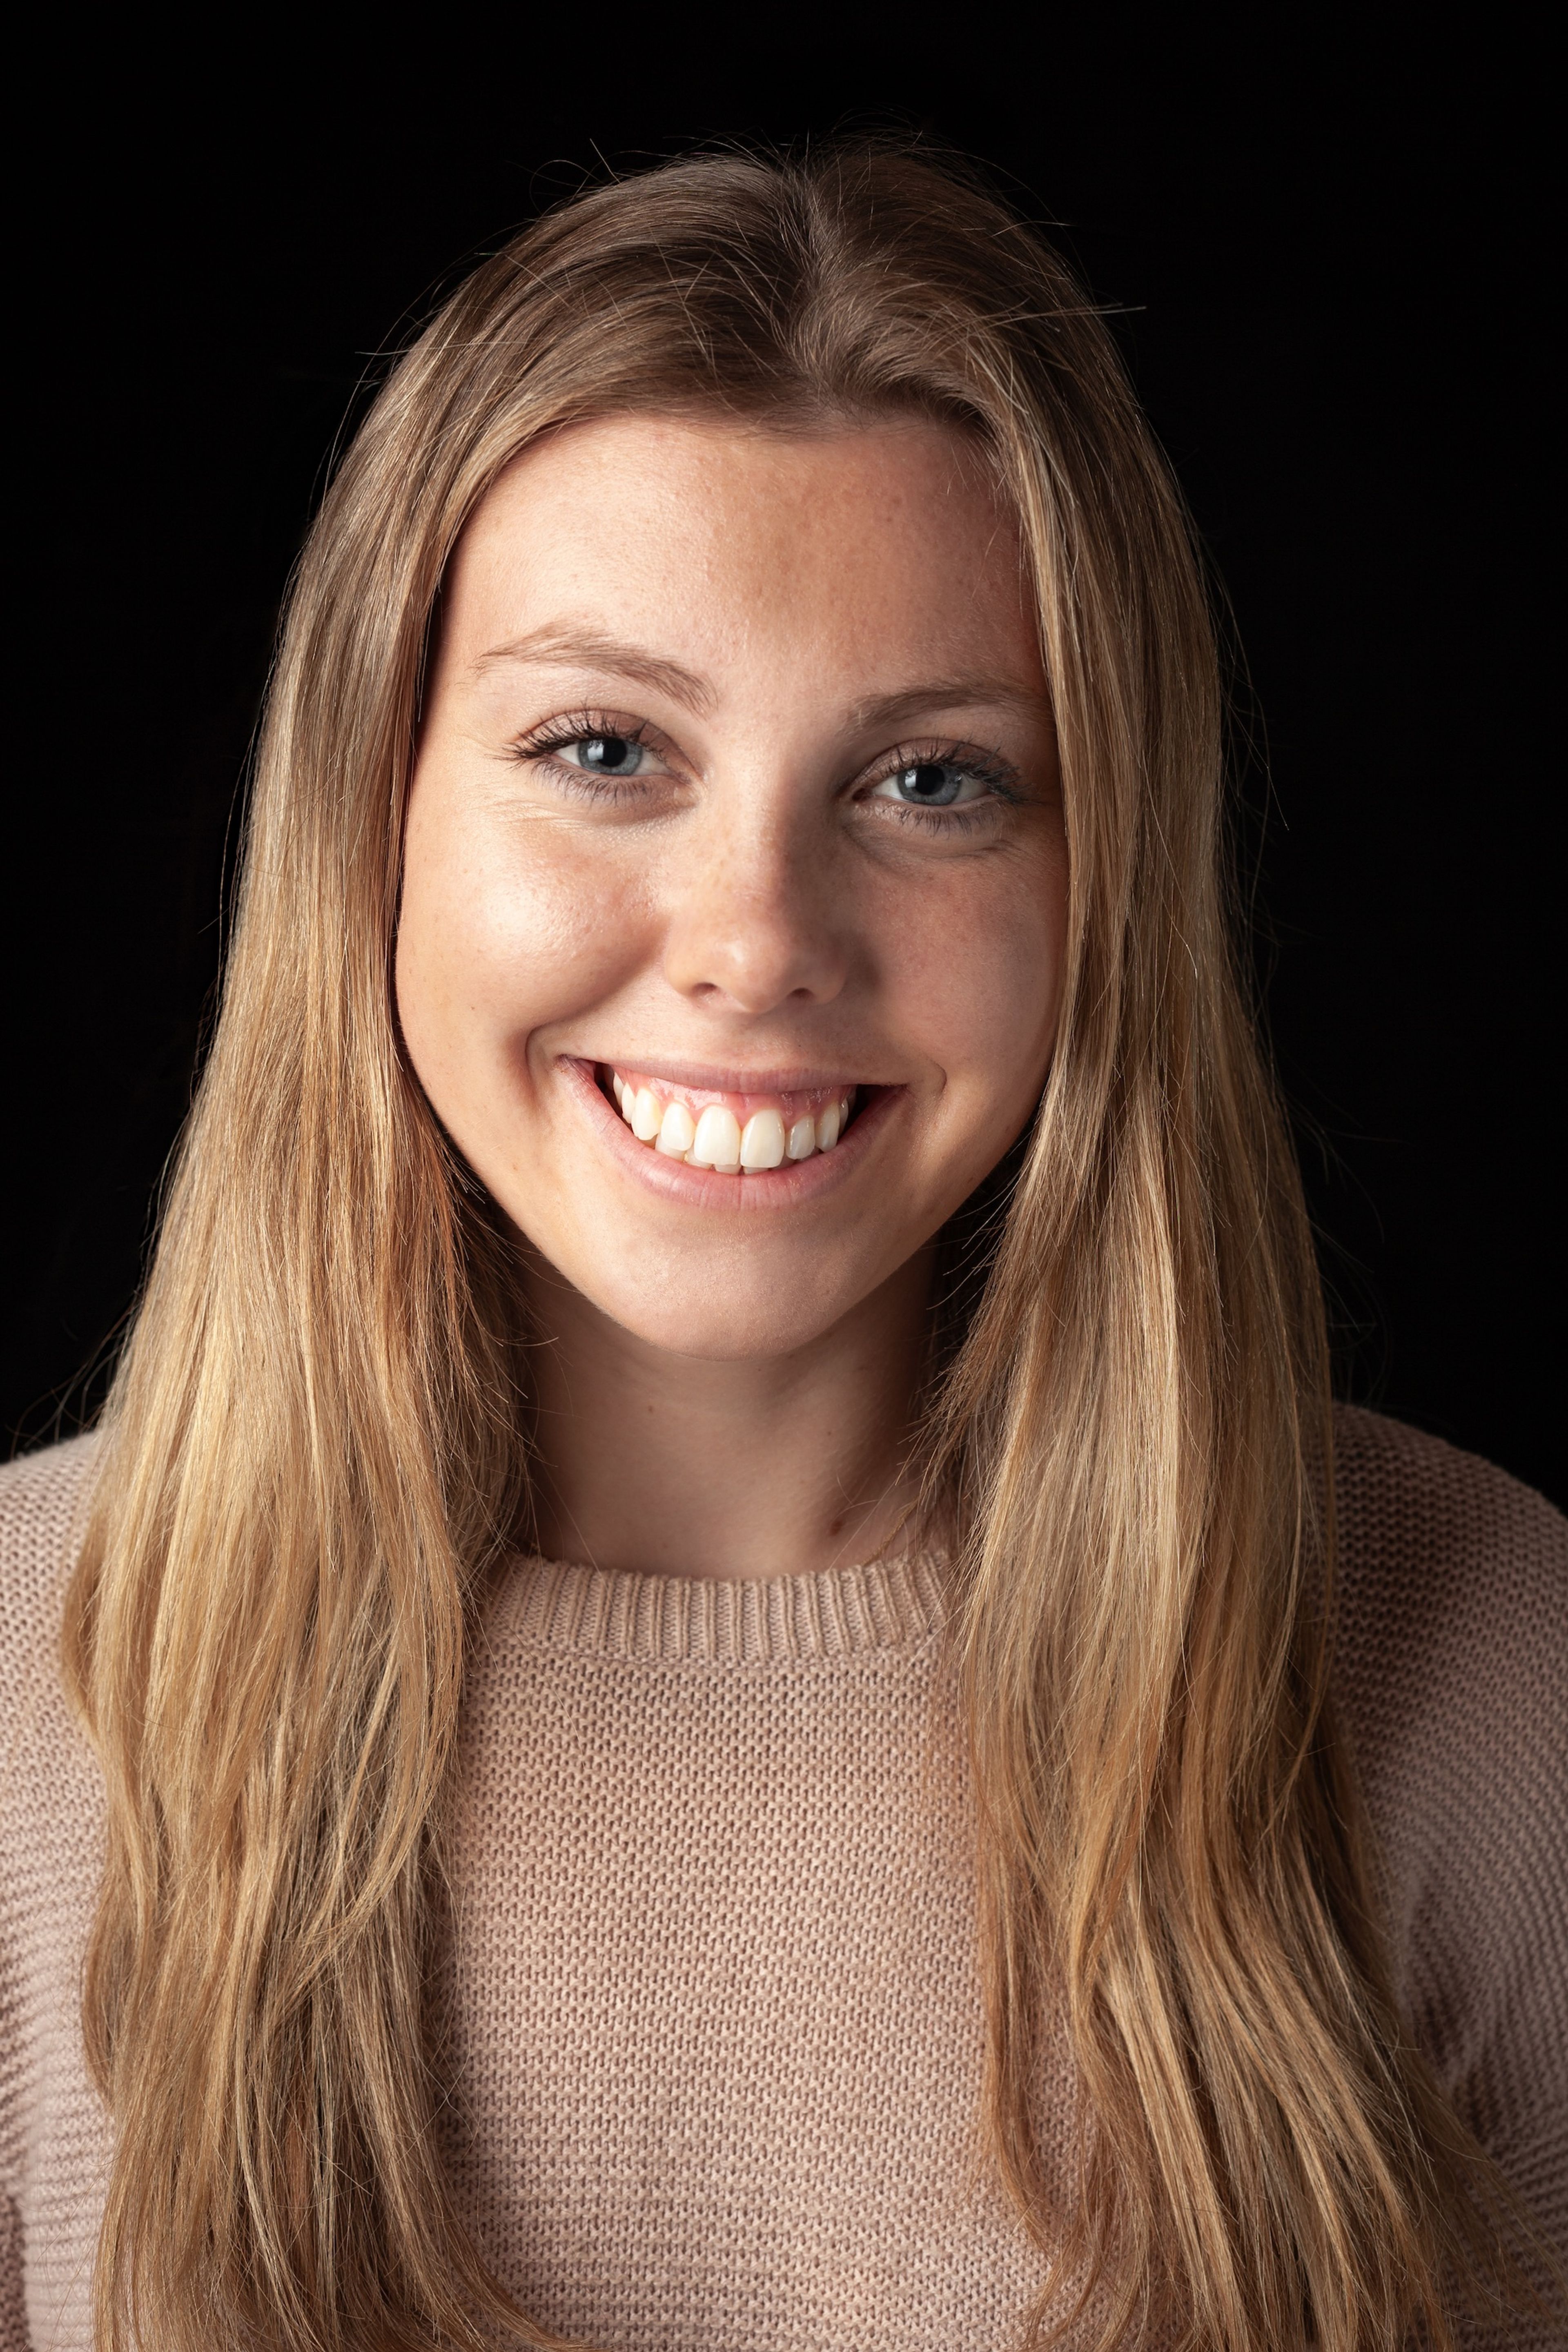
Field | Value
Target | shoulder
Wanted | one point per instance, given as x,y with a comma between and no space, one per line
1452,1599
43,1503
43,1510
52,2128
1451,1683
1410,1502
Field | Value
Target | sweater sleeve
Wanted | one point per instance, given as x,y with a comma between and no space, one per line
1452,1680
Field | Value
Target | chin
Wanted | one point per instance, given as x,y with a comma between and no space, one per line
726,1338
725,1328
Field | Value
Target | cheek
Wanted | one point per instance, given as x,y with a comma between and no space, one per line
503,929
979,978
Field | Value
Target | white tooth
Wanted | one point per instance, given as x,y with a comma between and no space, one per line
619,1084
843,1113
762,1143
827,1128
646,1115
718,1141
628,1103
675,1132
803,1136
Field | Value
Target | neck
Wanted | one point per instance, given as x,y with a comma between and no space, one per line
680,1466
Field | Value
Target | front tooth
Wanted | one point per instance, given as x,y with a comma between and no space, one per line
675,1132
763,1143
827,1128
803,1136
618,1084
717,1143
646,1115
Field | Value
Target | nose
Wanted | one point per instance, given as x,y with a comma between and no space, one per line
752,925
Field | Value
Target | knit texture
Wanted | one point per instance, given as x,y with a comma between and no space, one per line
708,1998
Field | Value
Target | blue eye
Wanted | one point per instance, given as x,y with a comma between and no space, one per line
607,755
932,784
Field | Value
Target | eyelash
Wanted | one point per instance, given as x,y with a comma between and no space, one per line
575,728
994,772
556,734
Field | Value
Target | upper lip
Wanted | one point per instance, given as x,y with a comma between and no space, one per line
730,1081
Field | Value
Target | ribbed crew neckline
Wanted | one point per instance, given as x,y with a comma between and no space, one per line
840,1613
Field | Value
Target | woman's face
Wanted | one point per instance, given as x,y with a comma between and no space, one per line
737,812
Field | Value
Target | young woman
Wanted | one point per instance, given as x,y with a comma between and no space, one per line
731,1685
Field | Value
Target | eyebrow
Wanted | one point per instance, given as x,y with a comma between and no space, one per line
592,649
948,694
614,657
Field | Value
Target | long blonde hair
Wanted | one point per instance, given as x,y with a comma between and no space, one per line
313,1456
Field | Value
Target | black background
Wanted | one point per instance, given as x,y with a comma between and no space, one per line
1323,248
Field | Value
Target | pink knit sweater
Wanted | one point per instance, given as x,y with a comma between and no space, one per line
714,2030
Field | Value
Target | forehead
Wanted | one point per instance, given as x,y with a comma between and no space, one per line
830,543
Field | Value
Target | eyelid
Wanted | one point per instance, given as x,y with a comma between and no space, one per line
989,767
576,726
543,746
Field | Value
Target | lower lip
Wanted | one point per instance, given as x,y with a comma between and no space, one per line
787,1187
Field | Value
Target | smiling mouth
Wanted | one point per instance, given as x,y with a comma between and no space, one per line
731,1134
